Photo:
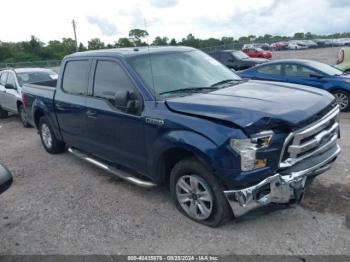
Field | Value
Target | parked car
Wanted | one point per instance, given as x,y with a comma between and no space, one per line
278,46
295,46
236,59
343,61
5,179
11,82
223,145
264,46
305,72
257,53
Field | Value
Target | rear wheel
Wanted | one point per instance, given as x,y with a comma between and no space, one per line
48,138
343,99
198,194
23,116
3,113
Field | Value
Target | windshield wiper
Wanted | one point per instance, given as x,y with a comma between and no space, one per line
188,90
226,81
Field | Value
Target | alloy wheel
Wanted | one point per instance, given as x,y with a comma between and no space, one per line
46,135
194,196
342,100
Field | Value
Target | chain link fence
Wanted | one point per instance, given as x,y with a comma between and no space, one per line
44,64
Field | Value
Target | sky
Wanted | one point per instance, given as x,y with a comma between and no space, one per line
110,20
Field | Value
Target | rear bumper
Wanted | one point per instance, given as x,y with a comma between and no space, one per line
284,187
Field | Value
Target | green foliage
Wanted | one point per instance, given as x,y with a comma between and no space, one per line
160,41
35,50
95,44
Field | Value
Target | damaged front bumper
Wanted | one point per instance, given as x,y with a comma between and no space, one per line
284,187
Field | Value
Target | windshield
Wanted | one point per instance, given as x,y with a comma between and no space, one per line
327,69
35,76
181,71
240,55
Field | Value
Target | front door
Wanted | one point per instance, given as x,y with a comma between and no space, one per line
302,75
10,96
3,79
114,134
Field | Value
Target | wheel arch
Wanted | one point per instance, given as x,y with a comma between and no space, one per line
170,152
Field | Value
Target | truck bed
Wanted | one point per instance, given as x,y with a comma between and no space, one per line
38,93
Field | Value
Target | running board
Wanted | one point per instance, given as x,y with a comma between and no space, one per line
117,172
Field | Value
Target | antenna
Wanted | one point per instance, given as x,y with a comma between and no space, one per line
149,56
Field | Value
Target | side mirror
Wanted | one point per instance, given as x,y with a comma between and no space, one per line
5,179
126,101
315,75
10,86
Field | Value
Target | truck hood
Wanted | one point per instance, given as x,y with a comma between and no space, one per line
256,105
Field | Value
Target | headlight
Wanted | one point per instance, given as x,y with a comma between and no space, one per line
247,150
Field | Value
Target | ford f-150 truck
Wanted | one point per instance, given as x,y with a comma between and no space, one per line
176,116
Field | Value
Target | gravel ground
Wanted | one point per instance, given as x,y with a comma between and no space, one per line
324,55
61,205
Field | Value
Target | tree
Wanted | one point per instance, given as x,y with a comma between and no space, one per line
95,44
299,35
173,42
190,40
160,41
124,42
137,35
82,48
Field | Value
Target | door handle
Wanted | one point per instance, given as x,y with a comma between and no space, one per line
91,114
60,107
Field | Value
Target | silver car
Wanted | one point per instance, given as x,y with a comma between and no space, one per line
11,82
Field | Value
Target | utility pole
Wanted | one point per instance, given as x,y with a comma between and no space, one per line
74,23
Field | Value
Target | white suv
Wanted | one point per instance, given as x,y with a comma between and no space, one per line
11,82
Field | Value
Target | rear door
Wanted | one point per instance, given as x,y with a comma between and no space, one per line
114,134
70,102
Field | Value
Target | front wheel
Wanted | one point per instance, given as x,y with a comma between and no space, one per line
198,194
48,138
343,99
23,116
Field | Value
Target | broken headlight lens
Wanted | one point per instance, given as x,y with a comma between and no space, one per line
247,150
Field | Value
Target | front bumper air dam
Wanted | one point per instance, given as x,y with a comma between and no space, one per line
284,188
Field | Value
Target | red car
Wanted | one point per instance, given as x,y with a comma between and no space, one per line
257,53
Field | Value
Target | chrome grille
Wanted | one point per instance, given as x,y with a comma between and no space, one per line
311,140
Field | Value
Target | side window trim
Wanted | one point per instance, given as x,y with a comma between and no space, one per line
89,59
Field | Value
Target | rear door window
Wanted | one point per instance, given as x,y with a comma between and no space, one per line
270,69
76,77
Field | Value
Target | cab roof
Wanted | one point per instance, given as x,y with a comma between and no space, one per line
133,51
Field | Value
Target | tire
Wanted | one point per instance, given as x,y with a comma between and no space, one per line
3,113
207,196
48,138
343,99
23,117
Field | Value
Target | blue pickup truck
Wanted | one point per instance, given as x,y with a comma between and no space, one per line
175,116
